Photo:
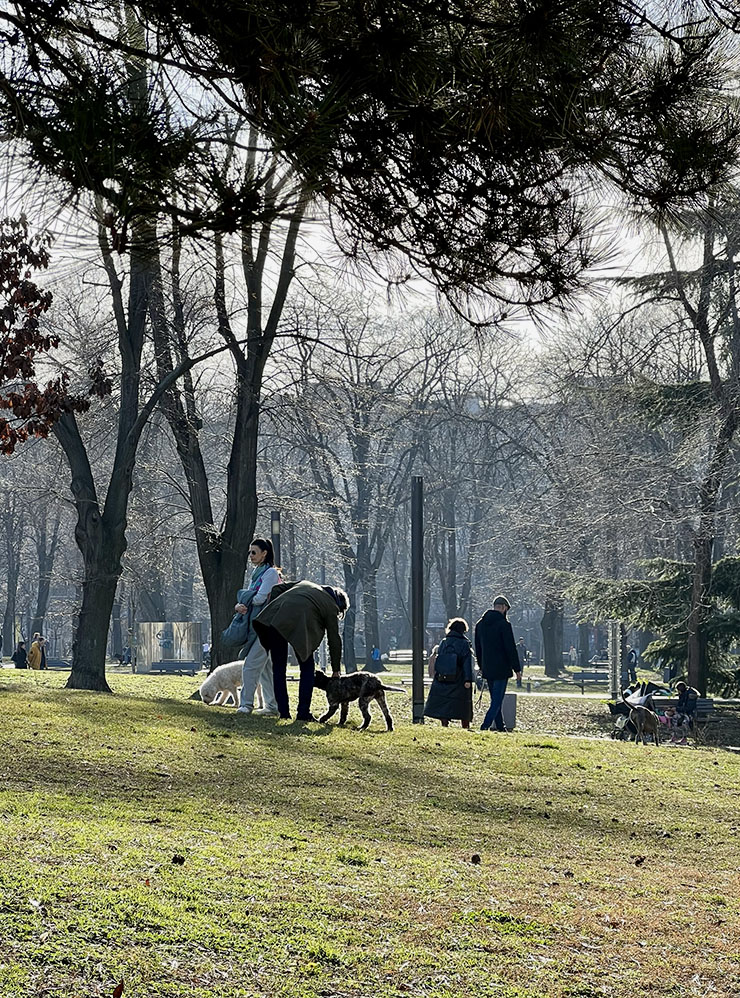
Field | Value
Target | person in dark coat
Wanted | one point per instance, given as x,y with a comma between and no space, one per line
19,656
451,693
300,614
497,656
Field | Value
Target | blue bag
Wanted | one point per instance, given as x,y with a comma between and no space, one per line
236,634
445,668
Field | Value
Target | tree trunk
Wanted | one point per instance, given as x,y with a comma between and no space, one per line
222,578
350,621
552,636
91,635
46,558
289,556
703,546
466,606
583,649
183,587
370,613
14,526
116,640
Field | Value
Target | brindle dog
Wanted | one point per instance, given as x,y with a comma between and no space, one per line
644,719
360,686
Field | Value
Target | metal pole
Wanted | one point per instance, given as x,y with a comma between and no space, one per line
275,535
323,643
417,597
615,661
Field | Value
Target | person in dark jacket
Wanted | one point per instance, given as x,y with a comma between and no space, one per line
497,656
19,656
451,693
300,614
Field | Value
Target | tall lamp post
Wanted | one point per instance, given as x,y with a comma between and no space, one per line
417,597
275,535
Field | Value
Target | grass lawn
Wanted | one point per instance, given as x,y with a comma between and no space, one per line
191,852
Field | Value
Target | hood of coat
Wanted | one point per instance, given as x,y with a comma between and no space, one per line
456,641
493,618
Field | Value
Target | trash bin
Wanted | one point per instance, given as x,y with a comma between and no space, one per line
508,710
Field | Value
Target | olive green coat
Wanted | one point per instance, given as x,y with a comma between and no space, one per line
302,612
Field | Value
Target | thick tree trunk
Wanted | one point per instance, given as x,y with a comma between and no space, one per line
91,634
552,636
222,578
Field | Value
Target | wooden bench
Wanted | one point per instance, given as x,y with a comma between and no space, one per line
590,676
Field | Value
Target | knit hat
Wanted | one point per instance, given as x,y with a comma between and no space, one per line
502,599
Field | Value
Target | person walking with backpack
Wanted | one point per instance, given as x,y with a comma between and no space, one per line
498,659
451,693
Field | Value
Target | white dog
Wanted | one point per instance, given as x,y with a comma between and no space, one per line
223,682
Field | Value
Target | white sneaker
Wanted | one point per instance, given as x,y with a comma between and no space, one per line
265,712
244,710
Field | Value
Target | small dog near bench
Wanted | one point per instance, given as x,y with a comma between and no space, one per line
360,686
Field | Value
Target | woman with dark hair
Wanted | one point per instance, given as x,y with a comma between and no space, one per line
257,669
451,693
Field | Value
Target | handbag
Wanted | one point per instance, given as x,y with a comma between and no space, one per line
236,634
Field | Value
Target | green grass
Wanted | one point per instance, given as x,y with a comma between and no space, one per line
321,862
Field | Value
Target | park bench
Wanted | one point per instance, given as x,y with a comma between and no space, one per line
704,707
703,716
595,675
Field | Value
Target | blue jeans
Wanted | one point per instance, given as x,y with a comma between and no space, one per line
497,689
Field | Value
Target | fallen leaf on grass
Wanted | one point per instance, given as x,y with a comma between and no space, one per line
118,989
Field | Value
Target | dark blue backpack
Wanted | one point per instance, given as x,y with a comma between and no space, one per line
445,668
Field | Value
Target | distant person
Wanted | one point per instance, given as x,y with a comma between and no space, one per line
301,614
20,656
688,699
34,652
432,661
375,664
497,657
451,693
632,659
42,647
573,655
